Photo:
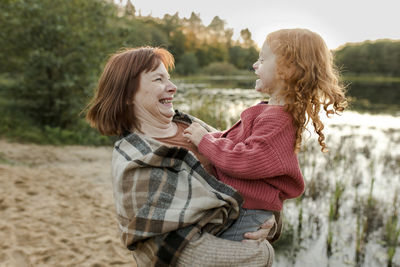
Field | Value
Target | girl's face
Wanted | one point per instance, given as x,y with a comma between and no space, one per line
156,92
265,69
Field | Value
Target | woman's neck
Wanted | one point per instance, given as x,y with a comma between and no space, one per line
158,130
158,126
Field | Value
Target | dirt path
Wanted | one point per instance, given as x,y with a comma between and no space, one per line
56,207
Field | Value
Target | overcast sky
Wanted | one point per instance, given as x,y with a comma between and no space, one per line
338,22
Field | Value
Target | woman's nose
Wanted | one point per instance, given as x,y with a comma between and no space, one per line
172,87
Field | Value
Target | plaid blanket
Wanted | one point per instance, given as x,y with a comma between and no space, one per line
165,193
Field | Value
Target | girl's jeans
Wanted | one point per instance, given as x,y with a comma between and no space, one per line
248,221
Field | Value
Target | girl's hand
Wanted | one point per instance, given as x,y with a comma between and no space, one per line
261,234
194,133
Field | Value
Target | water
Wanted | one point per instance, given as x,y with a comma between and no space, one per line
375,96
348,215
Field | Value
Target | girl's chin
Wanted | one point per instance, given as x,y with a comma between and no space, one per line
259,86
261,89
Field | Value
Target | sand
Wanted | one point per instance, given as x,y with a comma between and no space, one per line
56,207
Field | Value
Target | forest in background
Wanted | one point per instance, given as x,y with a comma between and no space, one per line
53,51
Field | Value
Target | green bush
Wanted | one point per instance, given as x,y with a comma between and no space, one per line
220,68
17,127
187,64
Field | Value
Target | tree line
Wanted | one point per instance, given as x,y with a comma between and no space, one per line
52,52
380,58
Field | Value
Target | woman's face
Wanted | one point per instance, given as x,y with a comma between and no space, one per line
156,92
265,69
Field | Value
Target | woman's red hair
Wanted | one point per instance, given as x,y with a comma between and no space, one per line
111,109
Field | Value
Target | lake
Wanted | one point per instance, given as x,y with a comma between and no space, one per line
349,212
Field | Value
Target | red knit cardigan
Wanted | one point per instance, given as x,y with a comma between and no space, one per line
256,157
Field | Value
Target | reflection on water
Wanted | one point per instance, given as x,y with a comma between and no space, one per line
375,96
349,213
378,92
218,107
237,81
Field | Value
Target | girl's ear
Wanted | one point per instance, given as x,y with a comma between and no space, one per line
286,70
291,68
292,71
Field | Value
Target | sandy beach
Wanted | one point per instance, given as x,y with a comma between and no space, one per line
56,207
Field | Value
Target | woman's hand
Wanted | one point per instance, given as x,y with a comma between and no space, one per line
261,234
194,133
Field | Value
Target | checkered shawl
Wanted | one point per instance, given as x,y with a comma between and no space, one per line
165,193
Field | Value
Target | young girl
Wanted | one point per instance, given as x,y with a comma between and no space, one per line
258,155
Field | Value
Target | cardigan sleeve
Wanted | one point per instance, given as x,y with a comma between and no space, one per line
216,134
254,158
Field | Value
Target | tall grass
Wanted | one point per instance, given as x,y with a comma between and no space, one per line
340,219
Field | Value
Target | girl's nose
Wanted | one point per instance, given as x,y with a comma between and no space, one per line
255,66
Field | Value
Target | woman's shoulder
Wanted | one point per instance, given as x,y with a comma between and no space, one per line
185,118
135,145
130,146
182,117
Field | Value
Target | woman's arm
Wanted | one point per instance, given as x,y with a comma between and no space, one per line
270,230
255,251
209,250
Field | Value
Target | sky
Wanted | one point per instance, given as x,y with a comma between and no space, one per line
338,22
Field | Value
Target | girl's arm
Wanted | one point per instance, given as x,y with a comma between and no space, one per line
208,127
253,158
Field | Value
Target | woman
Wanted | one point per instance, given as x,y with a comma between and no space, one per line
169,208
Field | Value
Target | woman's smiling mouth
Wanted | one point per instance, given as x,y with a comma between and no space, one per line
166,101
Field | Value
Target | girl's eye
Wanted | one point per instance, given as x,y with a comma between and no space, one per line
261,60
158,79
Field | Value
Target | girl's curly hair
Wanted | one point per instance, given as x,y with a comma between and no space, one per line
305,66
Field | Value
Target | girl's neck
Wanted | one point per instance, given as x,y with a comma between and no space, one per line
276,101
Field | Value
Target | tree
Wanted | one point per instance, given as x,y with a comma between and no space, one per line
194,23
130,9
53,52
193,29
56,48
171,23
381,57
237,56
245,34
216,31
188,64
243,58
177,45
